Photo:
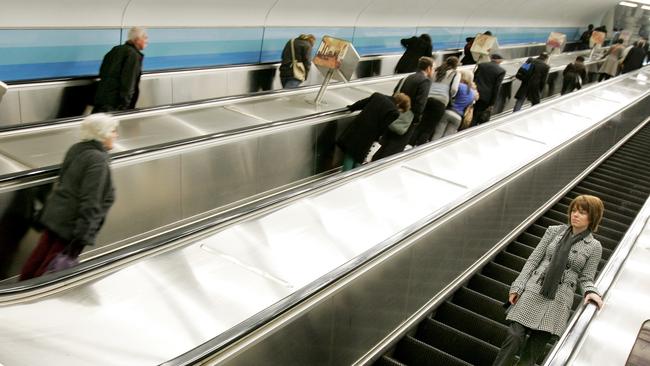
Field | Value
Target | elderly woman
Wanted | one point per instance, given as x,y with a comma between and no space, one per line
542,294
75,211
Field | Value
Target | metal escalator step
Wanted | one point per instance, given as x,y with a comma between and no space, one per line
617,184
630,164
509,260
480,304
605,241
411,351
500,273
489,286
620,173
471,323
619,193
454,342
529,239
521,250
536,229
547,221
607,199
387,361
557,216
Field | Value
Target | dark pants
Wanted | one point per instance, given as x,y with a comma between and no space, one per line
515,343
569,84
433,112
49,246
481,113
604,76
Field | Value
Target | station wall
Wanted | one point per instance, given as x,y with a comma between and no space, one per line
45,39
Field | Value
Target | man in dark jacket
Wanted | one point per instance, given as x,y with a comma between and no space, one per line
302,51
119,75
468,58
533,87
585,37
635,56
574,75
488,78
377,112
416,86
416,47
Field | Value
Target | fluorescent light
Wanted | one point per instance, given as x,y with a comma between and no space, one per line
645,7
631,5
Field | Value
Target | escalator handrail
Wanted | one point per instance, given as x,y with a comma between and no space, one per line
582,318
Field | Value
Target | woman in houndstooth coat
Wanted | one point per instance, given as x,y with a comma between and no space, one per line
566,258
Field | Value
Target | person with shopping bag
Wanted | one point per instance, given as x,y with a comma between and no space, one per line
77,207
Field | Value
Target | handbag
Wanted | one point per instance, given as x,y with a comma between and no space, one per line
403,122
297,67
61,261
467,117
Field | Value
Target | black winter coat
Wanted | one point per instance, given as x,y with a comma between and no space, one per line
488,78
416,47
634,59
533,87
76,209
119,75
416,86
303,54
377,112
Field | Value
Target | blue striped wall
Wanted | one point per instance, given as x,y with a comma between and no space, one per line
35,54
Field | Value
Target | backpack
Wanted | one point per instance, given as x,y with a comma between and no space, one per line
525,71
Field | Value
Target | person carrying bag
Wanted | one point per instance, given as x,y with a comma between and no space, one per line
296,63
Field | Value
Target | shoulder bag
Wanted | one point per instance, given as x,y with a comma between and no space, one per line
403,122
297,67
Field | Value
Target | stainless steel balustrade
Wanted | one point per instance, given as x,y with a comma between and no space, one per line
43,101
343,265
42,146
157,191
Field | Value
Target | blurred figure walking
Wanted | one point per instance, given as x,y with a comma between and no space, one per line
296,61
416,47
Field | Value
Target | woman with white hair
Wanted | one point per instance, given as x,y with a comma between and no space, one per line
120,72
75,211
465,97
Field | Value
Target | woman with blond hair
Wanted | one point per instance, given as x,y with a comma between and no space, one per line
566,258
75,211
465,97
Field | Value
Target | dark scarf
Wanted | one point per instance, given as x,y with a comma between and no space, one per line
559,261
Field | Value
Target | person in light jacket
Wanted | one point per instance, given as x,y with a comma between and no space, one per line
541,297
75,211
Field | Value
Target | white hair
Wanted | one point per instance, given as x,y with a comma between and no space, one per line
98,126
136,32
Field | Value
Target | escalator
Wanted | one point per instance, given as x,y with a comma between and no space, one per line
469,327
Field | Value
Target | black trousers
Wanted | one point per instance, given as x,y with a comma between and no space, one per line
515,343
481,114
433,112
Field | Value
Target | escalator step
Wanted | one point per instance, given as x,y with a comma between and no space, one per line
480,304
500,273
629,213
627,182
536,229
510,260
529,239
411,351
521,250
618,193
489,287
630,190
608,220
471,323
455,342
607,199
387,361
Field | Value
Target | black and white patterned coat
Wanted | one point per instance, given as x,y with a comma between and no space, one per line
535,311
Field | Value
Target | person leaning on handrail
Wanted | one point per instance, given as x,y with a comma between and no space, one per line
77,207
541,297
119,75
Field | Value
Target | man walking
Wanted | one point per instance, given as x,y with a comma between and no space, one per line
488,78
532,87
120,74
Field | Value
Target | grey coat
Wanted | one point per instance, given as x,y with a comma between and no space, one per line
76,209
535,311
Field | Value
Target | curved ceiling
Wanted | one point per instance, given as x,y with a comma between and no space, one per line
330,13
